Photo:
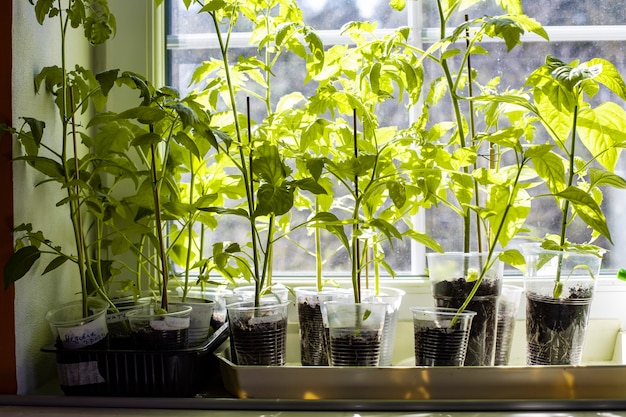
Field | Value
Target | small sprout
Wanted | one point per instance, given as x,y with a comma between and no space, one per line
621,274
366,314
472,275
160,311
558,289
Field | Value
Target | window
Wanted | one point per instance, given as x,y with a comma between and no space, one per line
580,30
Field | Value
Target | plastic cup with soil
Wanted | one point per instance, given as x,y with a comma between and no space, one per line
556,321
313,330
355,331
441,335
155,330
74,330
199,319
313,350
258,333
219,297
453,276
507,313
120,336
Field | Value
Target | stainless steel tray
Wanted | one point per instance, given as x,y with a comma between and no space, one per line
422,383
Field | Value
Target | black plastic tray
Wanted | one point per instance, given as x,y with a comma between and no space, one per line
133,373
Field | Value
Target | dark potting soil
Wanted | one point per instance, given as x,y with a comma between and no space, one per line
218,320
452,294
260,343
313,350
350,349
439,346
151,339
556,328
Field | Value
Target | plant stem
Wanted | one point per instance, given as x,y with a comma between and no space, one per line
268,66
356,255
266,277
72,191
189,226
246,172
159,225
76,215
318,252
472,127
566,204
459,122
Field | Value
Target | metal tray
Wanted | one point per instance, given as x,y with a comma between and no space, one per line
422,383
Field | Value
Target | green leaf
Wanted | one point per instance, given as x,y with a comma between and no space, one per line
315,166
205,199
599,129
315,62
511,6
450,53
213,6
309,184
389,230
331,223
272,199
221,210
514,258
516,213
43,8
397,4
46,166
505,28
424,239
54,264
188,143
36,128
551,168
555,104
397,193
599,177
146,139
463,188
609,76
107,80
283,30
19,264
144,114
268,165
186,114
587,209
289,101
375,77
53,76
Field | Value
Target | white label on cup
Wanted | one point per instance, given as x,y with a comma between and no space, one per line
82,336
116,317
82,373
170,323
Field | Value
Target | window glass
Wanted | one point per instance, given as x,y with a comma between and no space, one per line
190,41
